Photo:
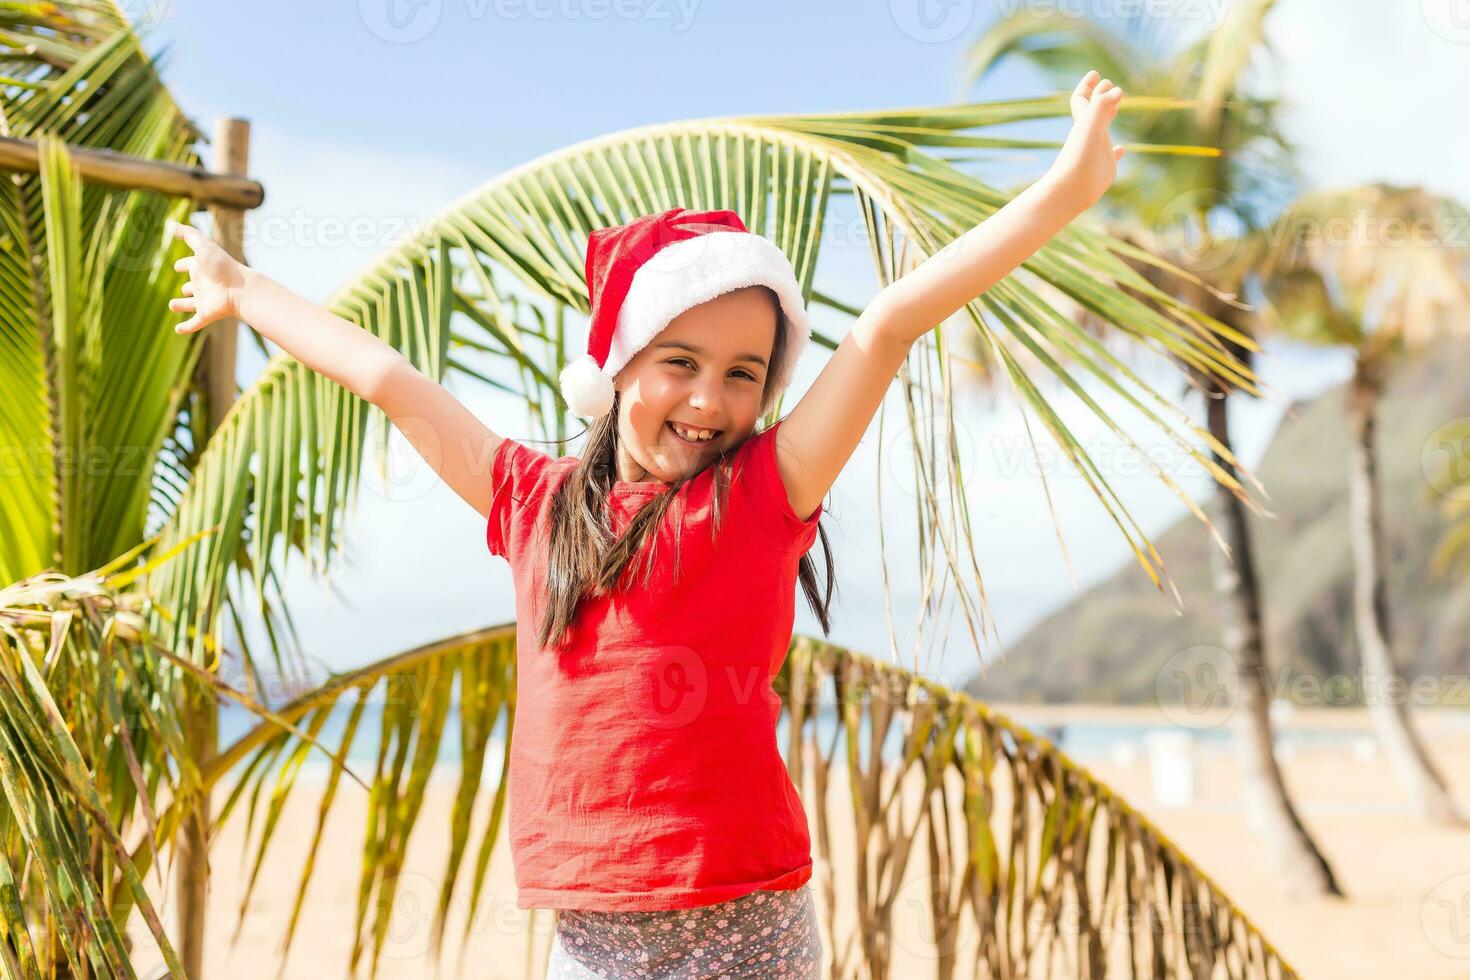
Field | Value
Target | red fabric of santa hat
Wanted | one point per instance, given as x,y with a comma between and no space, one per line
643,274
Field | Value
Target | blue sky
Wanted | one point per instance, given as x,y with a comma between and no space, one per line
367,119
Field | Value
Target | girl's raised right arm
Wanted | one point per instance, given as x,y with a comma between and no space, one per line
446,434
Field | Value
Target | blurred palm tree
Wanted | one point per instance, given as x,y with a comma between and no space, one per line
1450,482
92,371
1187,209
1385,271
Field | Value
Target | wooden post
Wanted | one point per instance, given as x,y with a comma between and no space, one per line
232,140
216,379
113,169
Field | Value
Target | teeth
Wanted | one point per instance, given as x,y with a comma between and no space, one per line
701,436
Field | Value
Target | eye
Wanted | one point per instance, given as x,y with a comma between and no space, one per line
685,361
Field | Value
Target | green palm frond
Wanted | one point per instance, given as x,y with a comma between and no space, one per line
93,379
1228,52
1252,159
1183,221
1168,212
412,694
1010,825
86,742
1059,43
508,258
92,738
94,385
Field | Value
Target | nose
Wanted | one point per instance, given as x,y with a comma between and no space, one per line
706,395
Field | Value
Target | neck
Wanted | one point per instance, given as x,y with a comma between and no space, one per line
629,471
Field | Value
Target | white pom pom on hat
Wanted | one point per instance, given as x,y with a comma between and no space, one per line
643,274
587,389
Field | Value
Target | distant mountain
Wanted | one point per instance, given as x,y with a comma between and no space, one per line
1109,644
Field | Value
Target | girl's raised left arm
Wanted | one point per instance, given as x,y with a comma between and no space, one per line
819,435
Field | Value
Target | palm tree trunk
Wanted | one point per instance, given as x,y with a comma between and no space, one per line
217,384
1300,867
1384,689
191,876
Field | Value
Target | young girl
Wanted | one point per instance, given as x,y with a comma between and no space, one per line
655,574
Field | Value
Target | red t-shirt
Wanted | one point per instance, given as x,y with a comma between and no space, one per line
644,769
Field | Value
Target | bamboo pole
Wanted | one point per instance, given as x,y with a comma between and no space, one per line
232,144
225,190
216,380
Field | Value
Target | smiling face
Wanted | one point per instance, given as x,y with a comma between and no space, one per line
706,370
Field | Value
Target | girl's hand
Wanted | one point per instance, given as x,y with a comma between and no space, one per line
212,291
1088,162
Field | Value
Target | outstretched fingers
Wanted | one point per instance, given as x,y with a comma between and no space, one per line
1096,95
1106,95
186,303
1082,94
1102,107
192,236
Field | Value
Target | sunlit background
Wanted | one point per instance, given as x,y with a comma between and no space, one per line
368,118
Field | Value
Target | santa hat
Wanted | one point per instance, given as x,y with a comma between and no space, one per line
643,274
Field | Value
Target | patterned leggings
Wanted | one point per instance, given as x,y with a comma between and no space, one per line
762,934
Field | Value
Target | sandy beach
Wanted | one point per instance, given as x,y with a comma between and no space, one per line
1407,914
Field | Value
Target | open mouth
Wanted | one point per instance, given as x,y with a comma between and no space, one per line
692,442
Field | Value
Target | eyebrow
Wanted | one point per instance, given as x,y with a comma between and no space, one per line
695,350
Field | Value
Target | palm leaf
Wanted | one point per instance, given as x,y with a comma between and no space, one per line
93,385
1251,158
1377,267
80,748
1071,845
1062,45
474,674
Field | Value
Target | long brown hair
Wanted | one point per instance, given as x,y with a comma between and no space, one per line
587,558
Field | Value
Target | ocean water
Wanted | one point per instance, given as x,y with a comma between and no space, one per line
1084,742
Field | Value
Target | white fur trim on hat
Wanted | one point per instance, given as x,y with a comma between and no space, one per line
586,387
694,271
